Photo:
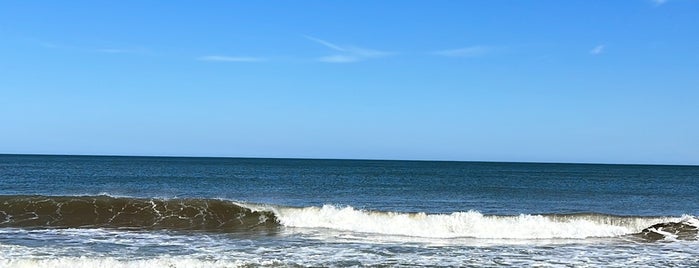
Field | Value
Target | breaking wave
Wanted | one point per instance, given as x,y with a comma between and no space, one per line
228,216
476,225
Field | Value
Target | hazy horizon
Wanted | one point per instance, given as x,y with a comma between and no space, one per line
342,159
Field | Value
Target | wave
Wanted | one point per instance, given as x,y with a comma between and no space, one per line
122,212
476,225
228,216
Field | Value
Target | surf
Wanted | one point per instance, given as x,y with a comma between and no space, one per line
218,215
473,224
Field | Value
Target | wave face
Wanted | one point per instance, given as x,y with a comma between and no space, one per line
113,212
473,224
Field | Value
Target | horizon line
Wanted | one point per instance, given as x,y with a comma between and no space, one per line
349,159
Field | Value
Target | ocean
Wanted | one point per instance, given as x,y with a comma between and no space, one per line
114,211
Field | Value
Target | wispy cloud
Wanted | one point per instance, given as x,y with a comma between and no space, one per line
230,58
465,52
659,2
119,50
347,54
325,43
339,59
597,50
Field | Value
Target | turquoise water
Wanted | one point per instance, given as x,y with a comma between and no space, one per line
341,212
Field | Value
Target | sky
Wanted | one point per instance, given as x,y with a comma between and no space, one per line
525,81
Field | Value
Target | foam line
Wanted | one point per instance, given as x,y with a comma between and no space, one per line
465,224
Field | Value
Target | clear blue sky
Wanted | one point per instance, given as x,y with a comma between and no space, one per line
553,81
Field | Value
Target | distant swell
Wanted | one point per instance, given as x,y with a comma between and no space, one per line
227,216
112,212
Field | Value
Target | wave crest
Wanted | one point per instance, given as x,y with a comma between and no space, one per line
470,224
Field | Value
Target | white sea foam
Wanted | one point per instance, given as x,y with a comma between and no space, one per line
463,224
80,262
693,221
122,248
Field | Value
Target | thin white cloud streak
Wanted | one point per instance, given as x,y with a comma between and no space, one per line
659,2
338,59
119,50
367,53
597,50
220,58
465,52
347,53
325,43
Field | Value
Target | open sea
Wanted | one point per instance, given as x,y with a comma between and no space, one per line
104,211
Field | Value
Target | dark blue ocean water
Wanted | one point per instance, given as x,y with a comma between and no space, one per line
409,186
105,211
